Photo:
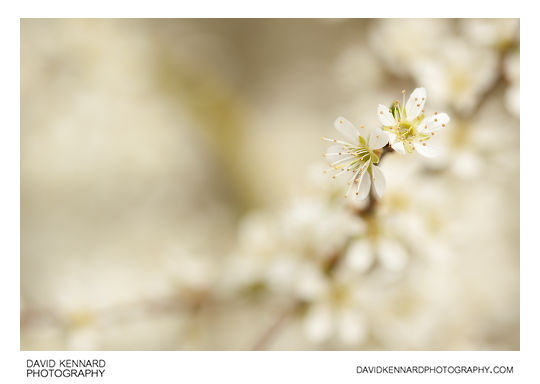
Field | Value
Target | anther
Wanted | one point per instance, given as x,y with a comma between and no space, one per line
424,144
423,110
417,105
403,91
435,112
341,121
435,119
444,125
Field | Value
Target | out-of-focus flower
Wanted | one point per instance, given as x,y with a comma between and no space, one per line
357,155
286,252
386,251
406,126
496,33
189,272
511,71
402,42
315,227
458,75
336,314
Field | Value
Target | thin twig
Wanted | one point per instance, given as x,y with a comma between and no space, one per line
170,304
276,326
491,90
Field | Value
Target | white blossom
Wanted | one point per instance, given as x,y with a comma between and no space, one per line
337,314
356,154
458,75
401,43
496,33
406,126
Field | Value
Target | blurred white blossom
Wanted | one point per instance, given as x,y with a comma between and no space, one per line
496,33
336,315
458,75
402,43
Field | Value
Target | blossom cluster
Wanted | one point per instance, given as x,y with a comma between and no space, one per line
404,128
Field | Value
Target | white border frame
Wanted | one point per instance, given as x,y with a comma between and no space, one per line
267,366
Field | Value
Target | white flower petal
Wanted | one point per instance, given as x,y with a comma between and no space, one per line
385,116
309,282
359,256
399,147
415,104
363,131
392,255
347,129
318,323
364,185
438,121
422,127
426,150
391,137
379,182
351,326
335,153
377,139
281,273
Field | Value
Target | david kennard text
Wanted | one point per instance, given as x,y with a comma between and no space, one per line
65,368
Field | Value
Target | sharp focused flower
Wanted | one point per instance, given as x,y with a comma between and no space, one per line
407,128
358,153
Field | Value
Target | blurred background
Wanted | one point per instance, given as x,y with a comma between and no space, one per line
173,194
